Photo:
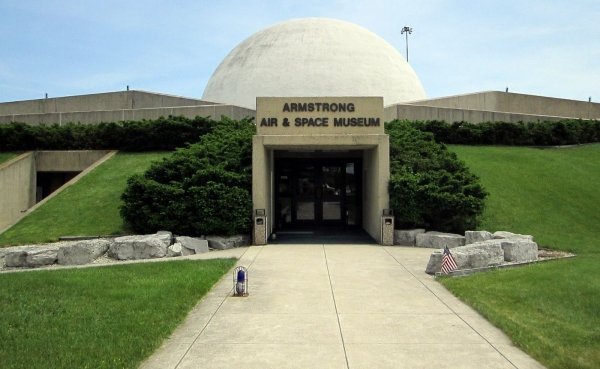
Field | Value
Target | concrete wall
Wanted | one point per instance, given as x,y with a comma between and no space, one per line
376,177
17,184
67,161
497,101
95,117
93,102
450,115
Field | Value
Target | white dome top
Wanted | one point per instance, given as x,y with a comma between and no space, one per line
313,57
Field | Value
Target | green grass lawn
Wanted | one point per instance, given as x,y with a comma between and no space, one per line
6,156
89,207
552,194
551,310
108,317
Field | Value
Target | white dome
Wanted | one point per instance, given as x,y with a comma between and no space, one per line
313,57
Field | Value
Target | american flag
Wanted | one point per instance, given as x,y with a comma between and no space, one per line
448,262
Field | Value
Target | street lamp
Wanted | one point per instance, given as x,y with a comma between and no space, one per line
406,30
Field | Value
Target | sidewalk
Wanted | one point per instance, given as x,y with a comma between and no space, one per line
336,306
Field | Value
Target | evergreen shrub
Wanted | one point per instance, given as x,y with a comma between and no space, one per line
429,186
143,135
546,133
203,189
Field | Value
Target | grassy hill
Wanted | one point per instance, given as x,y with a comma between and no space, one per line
6,156
551,310
89,207
549,193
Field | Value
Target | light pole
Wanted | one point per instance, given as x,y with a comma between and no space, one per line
406,30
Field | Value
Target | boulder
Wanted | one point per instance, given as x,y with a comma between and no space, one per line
483,254
502,234
477,236
82,252
191,246
225,243
166,236
406,237
438,240
435,262
31,257
476,255
519,250
139,247
175,250
16,258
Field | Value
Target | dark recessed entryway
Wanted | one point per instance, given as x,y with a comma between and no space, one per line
317,192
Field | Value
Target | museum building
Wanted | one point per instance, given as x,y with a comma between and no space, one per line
320,91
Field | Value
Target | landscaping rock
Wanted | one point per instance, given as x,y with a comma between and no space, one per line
31,257
438,240
15,258
483,254
435,262
175,250
519,250
406,237
477,236
225,243
42,256
502,234
192,245
140,247
476,255
82,252
166,236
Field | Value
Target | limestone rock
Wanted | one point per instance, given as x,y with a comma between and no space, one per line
165,236
225,243
483,254
16,258
82,252
476,255
519,250
191,246
139,247
42,256
31,257
435,262
406,237
502,234
438,240
477,236
175,250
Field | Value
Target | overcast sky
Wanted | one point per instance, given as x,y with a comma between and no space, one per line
60,47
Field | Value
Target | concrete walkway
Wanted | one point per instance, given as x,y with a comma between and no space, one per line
336,306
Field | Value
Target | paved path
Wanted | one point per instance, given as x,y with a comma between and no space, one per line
336,306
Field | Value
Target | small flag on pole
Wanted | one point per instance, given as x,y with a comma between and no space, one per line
448,262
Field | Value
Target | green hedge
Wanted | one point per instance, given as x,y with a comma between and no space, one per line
429,186
144,135
203,189
547,133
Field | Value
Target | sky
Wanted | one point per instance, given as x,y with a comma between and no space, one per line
63,48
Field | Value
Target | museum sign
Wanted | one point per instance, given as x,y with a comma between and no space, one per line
319,115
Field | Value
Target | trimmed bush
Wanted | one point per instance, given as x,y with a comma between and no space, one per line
429,187
547,133
145,135
203,189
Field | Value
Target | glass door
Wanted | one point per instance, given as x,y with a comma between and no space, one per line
331,183
317,192
306,193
